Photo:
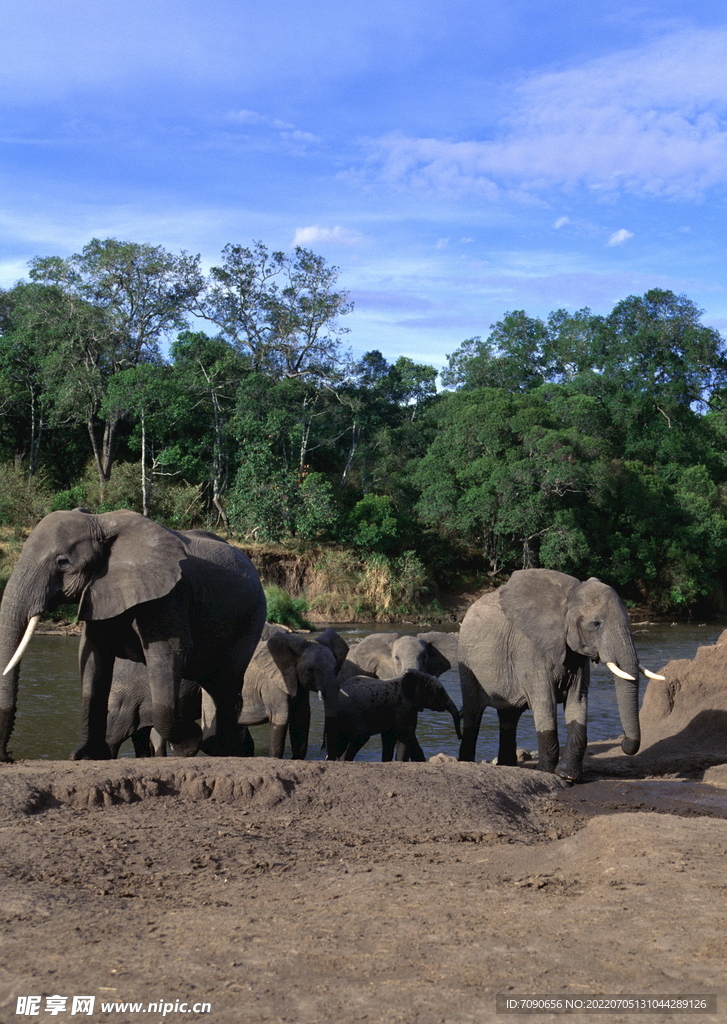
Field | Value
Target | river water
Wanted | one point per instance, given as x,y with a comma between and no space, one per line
48,721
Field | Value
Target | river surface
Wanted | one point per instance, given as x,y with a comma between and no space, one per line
48,721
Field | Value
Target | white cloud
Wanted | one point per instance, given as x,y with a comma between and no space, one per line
561,222
316,235
649,121
442,243
286,131
620,236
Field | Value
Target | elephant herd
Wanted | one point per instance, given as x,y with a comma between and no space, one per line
174,631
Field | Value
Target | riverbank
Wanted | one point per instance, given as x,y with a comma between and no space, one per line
311,892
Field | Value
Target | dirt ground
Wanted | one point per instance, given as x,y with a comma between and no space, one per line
323,892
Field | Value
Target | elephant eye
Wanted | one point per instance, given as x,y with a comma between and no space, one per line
62,561
596,623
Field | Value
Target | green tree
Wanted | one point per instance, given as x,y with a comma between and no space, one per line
280,310
116,301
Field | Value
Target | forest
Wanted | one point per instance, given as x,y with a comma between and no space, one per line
592,444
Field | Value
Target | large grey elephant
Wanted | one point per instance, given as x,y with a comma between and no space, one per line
282,673
529,644
368,706
188,606
389,655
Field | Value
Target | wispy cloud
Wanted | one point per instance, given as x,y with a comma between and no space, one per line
561,222
317,235
620,236
650,121
286,131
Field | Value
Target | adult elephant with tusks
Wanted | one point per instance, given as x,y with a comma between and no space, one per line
529,644
187,605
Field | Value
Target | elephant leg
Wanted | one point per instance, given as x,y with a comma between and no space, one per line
470,731
299,723
248,743
388,743
142,744
570,766
408,749
164,662
97,666
415,751
352,748
159,746
277,740
509,718
222,739
546,729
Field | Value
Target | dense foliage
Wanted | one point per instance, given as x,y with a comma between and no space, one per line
590,444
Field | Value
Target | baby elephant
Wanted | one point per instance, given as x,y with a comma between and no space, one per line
389,706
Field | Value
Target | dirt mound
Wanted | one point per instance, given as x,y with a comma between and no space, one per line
421,800
357,893
685,715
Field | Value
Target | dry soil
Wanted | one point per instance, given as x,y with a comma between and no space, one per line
323,892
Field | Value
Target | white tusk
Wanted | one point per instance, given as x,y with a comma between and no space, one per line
343,692
650,675
619,671
29,630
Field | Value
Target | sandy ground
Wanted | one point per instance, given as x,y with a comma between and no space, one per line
323,892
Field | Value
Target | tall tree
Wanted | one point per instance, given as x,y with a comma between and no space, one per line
281,310
209,372
117,299
25,344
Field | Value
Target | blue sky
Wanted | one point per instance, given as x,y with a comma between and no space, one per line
455,159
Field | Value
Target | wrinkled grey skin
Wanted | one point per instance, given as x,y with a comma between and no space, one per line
185,605
367,707
283,672
530,644
130,714
389,655
130,709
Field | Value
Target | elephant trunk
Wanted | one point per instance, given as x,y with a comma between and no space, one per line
623,657
17,622
627,698
454,712
329,692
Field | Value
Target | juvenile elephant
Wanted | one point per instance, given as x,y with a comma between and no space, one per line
389,706
529,644
188,606
389,655
278,683
131,715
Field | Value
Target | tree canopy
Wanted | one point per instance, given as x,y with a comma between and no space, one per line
594,444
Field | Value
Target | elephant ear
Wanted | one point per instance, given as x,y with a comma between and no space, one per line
142,562
535,601
334,642
285,650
